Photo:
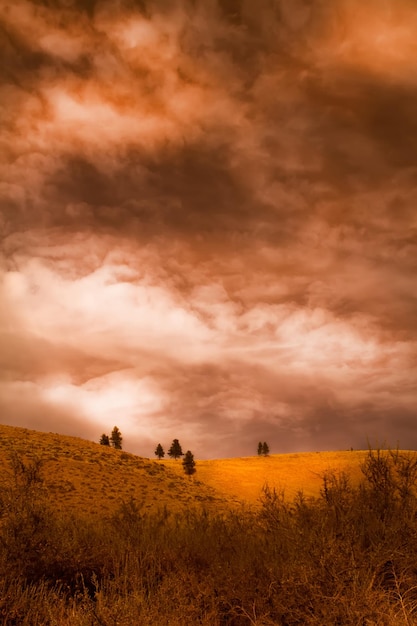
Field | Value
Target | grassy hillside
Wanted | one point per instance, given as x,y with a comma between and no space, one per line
83,475
92,544
86,477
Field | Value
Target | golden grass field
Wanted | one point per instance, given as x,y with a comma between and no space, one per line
85,476
196,550
243,478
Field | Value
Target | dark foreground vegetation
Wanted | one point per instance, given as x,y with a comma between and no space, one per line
346,558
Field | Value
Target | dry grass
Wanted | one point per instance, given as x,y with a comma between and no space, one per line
84,539
242,479
86,477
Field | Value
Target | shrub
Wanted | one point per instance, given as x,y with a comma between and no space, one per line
337,559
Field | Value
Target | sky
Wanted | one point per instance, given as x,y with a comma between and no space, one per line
208,222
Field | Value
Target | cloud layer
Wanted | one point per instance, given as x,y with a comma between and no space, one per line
208,225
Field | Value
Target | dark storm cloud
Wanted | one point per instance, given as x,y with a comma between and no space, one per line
24,357
186,193
211,205
306,124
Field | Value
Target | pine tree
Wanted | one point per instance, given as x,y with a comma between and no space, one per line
159,451
175,450
116,438
104,440
260,448
188,463
265,448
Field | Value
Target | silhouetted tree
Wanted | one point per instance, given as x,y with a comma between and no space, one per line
104,440
116,438
265,448
159,451
175,450
260,448
188,463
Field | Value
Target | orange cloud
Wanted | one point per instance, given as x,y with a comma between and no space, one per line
208,221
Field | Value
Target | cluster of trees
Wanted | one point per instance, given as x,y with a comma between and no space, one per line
263,448
175,452
115,440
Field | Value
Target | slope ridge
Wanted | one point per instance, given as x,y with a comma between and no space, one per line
86,477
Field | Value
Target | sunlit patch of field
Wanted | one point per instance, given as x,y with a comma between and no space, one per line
243,478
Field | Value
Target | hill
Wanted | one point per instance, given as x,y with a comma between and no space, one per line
86,477
83,475
65,558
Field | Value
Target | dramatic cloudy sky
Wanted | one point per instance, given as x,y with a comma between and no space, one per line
208,224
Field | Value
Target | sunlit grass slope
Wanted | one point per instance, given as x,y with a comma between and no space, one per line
243,478
85,477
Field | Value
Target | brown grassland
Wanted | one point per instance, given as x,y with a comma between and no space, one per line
243,478
90,535
82,475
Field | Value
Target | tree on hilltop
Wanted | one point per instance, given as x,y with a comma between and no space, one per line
116,438
265,449
188,463
159,451
260,448
175,450
104,440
